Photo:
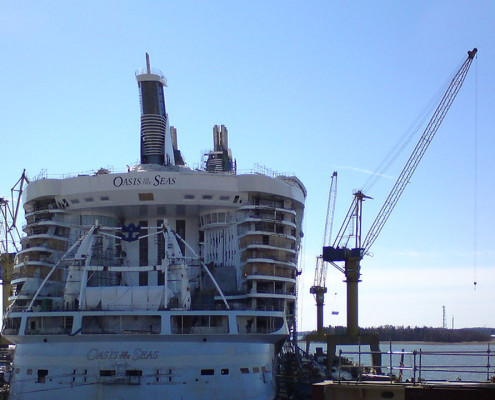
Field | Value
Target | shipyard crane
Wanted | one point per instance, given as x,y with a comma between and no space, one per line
319,287
351,256
9,232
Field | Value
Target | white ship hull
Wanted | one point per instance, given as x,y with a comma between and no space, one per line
161,282
137,366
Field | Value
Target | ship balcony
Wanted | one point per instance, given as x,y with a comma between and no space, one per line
43,236
59,222
259,246
38,271
270,220
216,219
271,278
43,248
37,212
259,260
266,232
268,294
33,263
46,303
268,206
28,286
270,270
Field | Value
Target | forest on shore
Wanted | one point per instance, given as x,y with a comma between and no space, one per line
421,334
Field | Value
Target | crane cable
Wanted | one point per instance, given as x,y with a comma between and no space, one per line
475,200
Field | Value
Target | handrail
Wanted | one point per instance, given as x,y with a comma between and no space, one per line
422,361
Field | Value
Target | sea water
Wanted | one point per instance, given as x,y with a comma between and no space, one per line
433,361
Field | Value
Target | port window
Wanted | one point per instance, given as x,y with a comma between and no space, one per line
104,198
244,370
189,197
161,278
146,197
42,373
143,278
207,372
256,370
236,199
107,372
224,198
224,371
134,372
74,201
88,199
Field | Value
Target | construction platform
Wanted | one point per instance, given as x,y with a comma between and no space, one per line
349,390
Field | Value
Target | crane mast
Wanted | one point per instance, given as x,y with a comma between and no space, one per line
352,257
319,287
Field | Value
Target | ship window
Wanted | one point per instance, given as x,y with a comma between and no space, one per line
207,197
256,370
42,373
146,197
104,198
252,324
224,198
207,372
189,197
29,371
197,324
12,326
107,372
49,325
121,324
74,201
88,199
236,199
224,371
134,372
244,370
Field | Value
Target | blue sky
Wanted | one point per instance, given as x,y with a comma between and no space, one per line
304,87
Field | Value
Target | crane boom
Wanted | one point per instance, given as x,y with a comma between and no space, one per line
320,271
418,152
352,257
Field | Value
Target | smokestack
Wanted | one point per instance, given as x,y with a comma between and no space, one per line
155,132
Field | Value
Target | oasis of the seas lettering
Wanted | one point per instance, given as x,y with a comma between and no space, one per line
156,180
136,354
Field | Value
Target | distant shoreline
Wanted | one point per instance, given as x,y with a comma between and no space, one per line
415,342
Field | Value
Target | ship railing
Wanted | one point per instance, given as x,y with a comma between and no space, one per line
419,365
217,307
274,291
43,174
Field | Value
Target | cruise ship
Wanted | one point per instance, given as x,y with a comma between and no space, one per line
158,282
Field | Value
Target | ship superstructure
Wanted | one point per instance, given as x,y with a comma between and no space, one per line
159,281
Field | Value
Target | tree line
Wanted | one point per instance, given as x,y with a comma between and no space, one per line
422,334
